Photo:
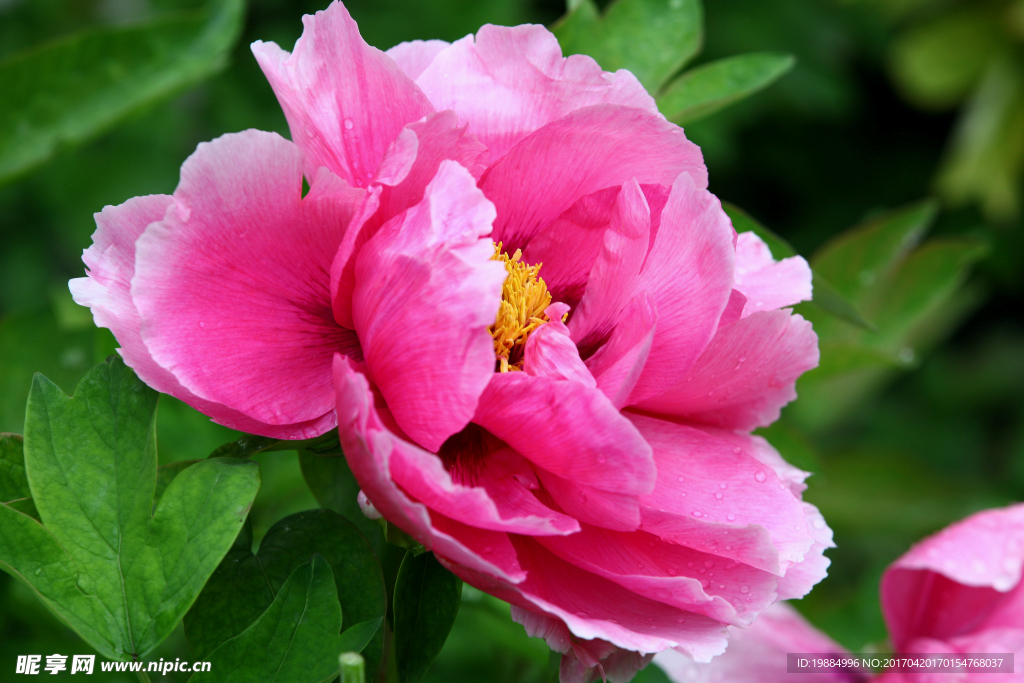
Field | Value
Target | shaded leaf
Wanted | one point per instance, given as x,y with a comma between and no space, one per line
69,90
295,640
358,636
13,482
708,88
652,38
427,598
117,572
246,583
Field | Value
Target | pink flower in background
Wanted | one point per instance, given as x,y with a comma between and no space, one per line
573,437
959,591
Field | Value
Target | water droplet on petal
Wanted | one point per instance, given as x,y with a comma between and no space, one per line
349,125
731,517
760,476
742,359
719,495
744,589
202,324
723,486
680,479
737,450
698,513
721,585
601,459
709,563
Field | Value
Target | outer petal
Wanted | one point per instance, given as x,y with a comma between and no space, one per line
588,150
345,101
769,284
232,285
426,291
107,291
510,81
758,654
414,56
369,449
723,486
745,375
962,579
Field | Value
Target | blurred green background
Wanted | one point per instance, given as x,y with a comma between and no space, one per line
906,428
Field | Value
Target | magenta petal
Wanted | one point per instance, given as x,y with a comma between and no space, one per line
227,284
509,81
618,363
107,291
588,150
408,167
345,101
551,353
618,265
369,447
758,654
426,289
414,56
691,580
723,486
768,284
745,375
688,274
965,578
569,430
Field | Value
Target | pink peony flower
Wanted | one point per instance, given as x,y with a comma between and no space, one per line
959,591
542,342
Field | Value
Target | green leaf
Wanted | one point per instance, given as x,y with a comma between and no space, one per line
825,296
117,572
295,640
357,637
246,583
165,474
652,38
702,91
13,482
69,90
427,598
859,259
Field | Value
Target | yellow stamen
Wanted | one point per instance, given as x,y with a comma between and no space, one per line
524,296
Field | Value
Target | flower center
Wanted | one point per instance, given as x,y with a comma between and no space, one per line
524,296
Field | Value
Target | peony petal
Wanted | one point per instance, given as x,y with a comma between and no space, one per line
509,81
368,447
618,363
107,291
551,353
402,178
426,290
691,580
345,101
590,149
767,284
745,375
958,580
724,486
758,654
569,430
688,274
617,266
414,56
801,577
232,285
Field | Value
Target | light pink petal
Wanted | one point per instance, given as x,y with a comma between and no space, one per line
551,353
624,250
232,284
569,430
345,101
959,580
673,574
745,375
369,447
618,363
733,310
409,166
758,654
510,81
589,150
801,577
723,486
426,290
107,291
768,284
688,274
414,56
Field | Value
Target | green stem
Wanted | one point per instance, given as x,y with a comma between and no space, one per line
353,668
143,676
